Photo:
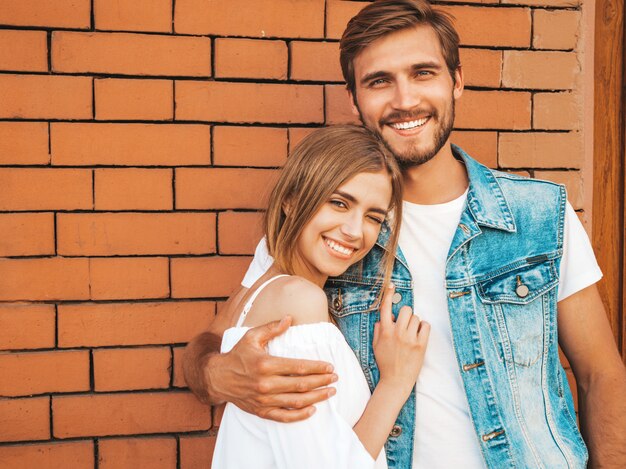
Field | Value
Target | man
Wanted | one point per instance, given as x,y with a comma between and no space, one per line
490,260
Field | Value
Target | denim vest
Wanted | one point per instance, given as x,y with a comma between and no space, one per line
502,275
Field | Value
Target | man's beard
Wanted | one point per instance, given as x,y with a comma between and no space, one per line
413,156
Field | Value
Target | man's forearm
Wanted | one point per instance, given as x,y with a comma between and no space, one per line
603,418
197,355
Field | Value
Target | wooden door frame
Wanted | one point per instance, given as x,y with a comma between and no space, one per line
609,171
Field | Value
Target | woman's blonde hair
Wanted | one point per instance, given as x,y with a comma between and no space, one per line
320,163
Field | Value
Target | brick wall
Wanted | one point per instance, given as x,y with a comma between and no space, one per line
137,141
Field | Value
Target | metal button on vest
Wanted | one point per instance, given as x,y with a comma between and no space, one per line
337,303
395,299
395,431
521,290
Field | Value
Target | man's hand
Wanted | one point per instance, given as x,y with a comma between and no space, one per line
281,389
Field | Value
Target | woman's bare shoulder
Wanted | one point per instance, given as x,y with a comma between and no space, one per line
295,296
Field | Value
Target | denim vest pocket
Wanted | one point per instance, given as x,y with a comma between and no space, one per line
516,304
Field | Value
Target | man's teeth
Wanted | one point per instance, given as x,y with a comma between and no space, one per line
410,124
338,247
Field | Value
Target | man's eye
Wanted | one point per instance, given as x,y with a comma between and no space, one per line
378,82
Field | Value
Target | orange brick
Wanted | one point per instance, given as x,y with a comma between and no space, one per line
250,58
44,279
338,13
196,452
249,146
43,372
106,324
317,61
130,144
482,146
135,368
26,234
25,419
248,102
198,277
573,182
127,414
261,18
556,3
555,29
179,377
131,54
129,99
24,143
133,189
133,15
45,97
540,150
114,234
133,453
239,232
77,455
222,188
296,135
477,26
338,106
481,67
122,278
491,26
498,110
23,51
540,70
556,111
26,326
57,14
45,189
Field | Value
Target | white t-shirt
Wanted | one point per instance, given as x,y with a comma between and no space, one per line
425,239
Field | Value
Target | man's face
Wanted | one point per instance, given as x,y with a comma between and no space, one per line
404,92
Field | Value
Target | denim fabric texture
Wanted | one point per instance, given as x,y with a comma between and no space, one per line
502,276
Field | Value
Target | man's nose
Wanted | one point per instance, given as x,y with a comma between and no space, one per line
406,95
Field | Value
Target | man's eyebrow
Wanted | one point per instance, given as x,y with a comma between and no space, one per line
351,198
382,74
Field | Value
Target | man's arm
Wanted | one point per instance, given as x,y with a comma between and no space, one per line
280,389
587,341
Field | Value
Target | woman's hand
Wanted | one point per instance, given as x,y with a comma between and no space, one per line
400,345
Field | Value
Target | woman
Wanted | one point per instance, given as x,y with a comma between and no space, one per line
325,214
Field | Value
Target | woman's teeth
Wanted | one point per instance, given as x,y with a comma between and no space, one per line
409,125
338,247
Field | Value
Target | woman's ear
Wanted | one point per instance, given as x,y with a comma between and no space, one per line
286,207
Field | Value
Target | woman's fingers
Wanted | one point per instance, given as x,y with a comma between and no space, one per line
423,333
404,316
386,316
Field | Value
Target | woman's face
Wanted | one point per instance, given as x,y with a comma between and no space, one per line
345,228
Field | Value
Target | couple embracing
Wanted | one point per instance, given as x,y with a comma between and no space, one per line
429,291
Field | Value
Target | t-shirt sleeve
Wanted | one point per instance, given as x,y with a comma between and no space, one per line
579,268
260,264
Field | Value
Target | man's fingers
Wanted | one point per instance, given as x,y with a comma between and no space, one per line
295,384
298,400
386,317
288,415
294,366
261,335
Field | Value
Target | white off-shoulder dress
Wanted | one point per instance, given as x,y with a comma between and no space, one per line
325,440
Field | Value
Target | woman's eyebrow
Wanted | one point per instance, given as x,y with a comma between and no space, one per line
352,199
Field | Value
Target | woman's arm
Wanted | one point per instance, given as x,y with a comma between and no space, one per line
399,348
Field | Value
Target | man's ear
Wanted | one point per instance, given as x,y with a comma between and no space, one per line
353,104
458,82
